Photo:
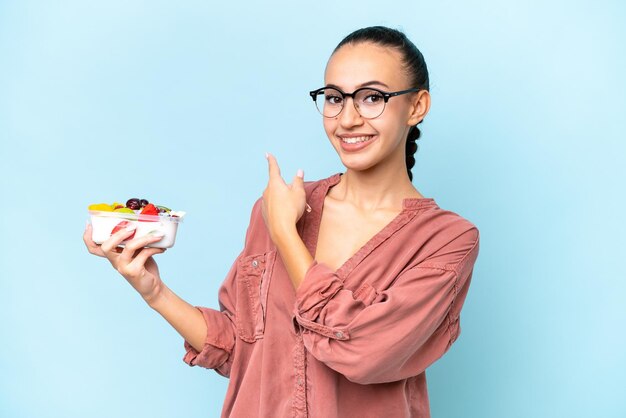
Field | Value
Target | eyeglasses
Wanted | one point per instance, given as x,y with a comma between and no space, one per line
369,102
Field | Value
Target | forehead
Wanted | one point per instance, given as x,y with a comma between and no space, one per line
353,65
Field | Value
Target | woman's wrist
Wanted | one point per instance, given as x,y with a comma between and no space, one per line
284,234
294,253
158,297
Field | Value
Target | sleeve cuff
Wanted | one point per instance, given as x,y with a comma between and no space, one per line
320,284
218,345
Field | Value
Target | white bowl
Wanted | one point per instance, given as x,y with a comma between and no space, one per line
104,222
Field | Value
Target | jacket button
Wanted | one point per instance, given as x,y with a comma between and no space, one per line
255,263
339,334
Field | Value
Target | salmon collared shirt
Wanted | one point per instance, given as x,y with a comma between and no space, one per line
354,342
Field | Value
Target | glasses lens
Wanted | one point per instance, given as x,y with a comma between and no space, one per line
370,103
329,102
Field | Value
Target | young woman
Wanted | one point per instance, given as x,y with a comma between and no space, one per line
348,287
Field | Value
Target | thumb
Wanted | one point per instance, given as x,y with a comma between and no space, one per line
298,180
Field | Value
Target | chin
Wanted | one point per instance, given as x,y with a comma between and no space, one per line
356,163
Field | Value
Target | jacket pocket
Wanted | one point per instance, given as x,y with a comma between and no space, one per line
254,273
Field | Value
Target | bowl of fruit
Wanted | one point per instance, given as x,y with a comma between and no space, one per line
146,217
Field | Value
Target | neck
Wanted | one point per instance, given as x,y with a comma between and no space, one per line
375,188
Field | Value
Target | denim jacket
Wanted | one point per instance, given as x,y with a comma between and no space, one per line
354,342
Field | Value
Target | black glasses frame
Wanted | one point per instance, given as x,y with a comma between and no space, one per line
386,96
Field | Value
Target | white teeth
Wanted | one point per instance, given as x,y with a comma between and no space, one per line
356,139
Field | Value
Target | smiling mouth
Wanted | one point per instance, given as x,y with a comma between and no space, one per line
356,139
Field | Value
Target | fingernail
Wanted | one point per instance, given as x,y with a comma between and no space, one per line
157,234
267,155
300,173
130,227
86,224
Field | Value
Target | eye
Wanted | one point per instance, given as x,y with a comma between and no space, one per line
373,97
333,98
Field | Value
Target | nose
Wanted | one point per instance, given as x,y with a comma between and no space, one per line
349,116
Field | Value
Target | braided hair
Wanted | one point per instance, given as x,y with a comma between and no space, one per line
414,66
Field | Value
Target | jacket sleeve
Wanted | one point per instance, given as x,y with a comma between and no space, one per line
220,339
221,324
392,334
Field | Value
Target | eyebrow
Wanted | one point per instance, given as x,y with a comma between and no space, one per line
368,83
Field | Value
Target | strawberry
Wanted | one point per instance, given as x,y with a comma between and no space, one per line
150,210
121,226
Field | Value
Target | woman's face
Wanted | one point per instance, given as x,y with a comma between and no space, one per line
368,64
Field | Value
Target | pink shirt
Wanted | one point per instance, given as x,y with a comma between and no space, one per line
348,343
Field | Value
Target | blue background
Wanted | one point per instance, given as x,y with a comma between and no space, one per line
101,101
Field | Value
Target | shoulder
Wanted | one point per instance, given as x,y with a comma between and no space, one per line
449,241
315,187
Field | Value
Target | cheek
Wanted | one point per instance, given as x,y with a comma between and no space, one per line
329,126
393,125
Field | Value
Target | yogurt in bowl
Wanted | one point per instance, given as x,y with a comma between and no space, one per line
147,220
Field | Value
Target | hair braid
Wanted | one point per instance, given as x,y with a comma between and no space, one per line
411,149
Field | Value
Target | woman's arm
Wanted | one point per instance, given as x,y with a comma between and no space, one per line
186,319
383,335
283,205
295,255
138,267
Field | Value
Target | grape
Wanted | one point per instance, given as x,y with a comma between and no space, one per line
143,202
134,204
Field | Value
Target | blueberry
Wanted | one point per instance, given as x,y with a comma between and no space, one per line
143,202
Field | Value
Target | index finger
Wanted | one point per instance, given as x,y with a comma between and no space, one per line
136,245
116,239
274,170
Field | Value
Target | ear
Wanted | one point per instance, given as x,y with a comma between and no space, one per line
420,105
